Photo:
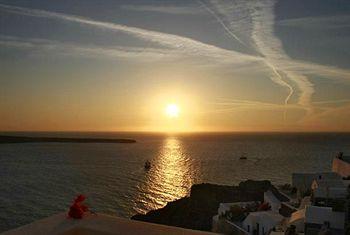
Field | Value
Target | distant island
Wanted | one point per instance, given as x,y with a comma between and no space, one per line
24,139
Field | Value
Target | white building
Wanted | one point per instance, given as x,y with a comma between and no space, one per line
225,226
262,222
330,187
270,198
316,217
303,181
334,189
313,218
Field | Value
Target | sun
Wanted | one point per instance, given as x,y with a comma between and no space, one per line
172,110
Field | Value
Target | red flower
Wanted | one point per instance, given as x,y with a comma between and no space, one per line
80,198
77,209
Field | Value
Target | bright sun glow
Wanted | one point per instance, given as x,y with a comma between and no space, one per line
172,110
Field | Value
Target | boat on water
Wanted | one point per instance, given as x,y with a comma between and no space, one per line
147,165
243,157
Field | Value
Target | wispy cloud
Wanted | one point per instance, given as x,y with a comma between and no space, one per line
332,101
185,45
69,49
252,104
177,10
271,47
254,21
259,18
318,22
330,119
239,17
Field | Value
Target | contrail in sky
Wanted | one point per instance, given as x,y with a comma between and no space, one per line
219,20
277,78
283,83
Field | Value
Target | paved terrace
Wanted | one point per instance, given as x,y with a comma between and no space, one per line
99,224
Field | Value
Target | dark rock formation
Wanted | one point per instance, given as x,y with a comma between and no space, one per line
197,210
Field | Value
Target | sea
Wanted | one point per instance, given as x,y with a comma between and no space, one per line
40,179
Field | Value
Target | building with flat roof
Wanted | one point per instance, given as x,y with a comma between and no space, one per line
262,222
250,217
313,219
331,187
303,181
318,218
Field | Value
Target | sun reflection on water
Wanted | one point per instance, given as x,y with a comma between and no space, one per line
170,177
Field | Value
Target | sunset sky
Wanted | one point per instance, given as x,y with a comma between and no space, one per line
106,65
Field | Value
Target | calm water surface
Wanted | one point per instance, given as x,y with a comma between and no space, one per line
40,179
